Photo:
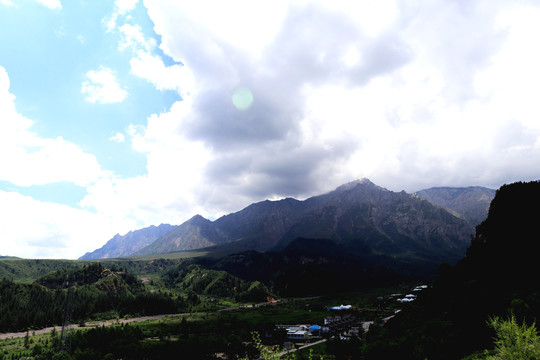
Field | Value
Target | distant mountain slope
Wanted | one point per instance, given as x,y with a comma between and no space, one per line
126,245
258,226
397,224
262,225
195,233
469,203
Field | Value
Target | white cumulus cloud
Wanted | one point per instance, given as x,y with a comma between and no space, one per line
28,159
175,170
118,138
122,8
36,229
101,86
132,37
51,4
152,68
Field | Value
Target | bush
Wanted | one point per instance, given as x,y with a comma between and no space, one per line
513,341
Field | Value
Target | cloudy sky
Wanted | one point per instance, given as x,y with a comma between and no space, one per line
120,115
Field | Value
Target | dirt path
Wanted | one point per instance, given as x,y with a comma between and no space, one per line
89,324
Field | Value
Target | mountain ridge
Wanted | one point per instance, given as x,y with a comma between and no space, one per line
128,244
469,203
198,232
358,213
363,210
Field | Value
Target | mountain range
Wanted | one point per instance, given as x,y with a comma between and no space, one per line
434,224
128,244
469,203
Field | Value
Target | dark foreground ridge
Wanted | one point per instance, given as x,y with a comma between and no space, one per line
497,277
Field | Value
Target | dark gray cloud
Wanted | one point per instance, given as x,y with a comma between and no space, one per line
416,94
307,51
264,143
223,127
271,171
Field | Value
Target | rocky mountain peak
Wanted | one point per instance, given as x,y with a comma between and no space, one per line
126,245
198,220
354,184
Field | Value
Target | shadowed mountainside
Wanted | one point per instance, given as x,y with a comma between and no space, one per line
308,267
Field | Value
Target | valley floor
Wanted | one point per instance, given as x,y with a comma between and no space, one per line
203,332
91,324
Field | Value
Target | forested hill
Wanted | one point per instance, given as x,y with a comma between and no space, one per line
307,267
497,277
28,270
97,292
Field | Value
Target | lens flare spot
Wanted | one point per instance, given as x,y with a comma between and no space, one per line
242,98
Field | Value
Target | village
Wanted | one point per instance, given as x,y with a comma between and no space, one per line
344,322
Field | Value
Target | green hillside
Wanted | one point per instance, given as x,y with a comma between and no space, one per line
26,270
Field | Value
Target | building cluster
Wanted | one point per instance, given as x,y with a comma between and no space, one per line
303,332
345,321
344,325
409,297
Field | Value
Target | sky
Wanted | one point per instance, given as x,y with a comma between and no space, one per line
117,115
